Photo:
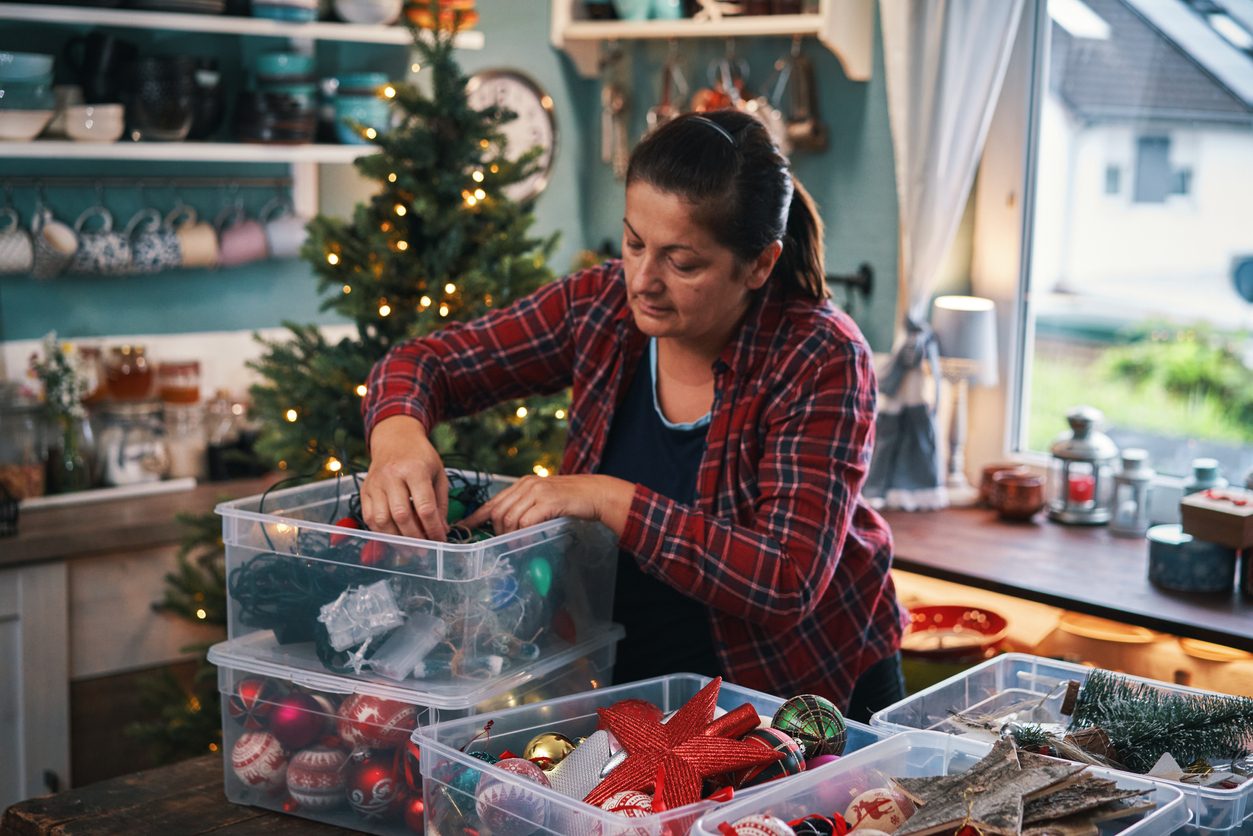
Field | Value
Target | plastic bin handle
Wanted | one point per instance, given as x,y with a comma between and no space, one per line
500,558
321,683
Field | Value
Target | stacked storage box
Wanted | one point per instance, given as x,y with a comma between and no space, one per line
341,640
451,776
1005,681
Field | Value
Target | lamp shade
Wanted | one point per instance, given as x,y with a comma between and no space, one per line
965,327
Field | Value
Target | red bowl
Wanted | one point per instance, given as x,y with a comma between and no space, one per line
949,632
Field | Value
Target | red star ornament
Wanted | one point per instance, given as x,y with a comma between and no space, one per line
679,749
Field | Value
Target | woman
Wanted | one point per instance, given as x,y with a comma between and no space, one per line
721,425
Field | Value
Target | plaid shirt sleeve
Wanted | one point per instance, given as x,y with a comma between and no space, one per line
525,349
773,569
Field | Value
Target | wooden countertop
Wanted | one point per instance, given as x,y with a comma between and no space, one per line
119,525
187,799
1084,569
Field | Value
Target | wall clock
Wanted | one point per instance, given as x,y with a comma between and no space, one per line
536,123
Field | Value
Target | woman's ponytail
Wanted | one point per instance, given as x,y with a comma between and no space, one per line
801,267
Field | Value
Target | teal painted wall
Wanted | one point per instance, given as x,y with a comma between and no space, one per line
852,182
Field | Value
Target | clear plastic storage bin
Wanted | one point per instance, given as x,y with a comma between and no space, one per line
917,754
310,595
304,743
575,716
1005,680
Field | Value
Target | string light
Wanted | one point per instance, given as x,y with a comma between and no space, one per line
484,143
495,168
522,412
400,209
417,68
331,258
471,200
370,133
201,614
361,390
389,91
478,176
292,415
425,301
443,310
391,178
540,470
488,300
384,310
450,288
282,528
386,226
480,194
333,465
347,289
561,413
402,245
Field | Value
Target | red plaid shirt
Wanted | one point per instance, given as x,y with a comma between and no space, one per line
791,562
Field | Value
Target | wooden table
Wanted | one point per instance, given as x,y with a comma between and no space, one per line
185,799
1079,568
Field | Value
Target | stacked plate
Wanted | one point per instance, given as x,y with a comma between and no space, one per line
293,10
201,7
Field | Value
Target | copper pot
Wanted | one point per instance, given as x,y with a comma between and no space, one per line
985,483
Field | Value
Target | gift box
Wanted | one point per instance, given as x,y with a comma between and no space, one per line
1219,515
337,749
454,775
309,591
1002,683
916,754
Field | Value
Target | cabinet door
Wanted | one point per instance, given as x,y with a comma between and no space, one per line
34,682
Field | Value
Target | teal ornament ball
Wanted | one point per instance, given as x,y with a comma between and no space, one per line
815,723
541,574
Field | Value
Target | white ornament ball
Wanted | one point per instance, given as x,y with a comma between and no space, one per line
317,778
760,824
505,803
259,760
878,809
630,803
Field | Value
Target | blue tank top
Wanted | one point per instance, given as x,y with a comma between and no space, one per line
666,631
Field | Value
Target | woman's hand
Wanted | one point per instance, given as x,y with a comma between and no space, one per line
534,499
406,489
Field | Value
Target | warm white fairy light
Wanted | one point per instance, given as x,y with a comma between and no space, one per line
480,194
361,390
425,301
201,614
331,258
370,133
347,289
450,288
478,176
561,413
415,67
471,200
522,412
400,209
292,415
540,470
391,178
333,465
443,310
389,91
402,245
384,310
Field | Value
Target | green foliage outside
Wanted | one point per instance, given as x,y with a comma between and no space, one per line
1171,381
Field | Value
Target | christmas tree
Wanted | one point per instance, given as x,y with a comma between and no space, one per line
439,243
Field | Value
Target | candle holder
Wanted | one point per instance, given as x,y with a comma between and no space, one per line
1082,471
1131,494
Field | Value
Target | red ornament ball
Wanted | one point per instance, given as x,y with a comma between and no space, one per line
345,729
316,778
820,760
253,701
374,788
630,803
760,824
793,761
297,721
259,760
640,709
878,809
504,803
378,723
415,814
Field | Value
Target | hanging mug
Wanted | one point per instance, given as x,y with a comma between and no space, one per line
54,243
103,252
242,239
17,253
154,243
197,240
285,231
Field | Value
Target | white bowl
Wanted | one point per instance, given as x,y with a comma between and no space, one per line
370,12
23,125
95,123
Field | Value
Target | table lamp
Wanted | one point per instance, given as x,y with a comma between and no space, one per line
965,327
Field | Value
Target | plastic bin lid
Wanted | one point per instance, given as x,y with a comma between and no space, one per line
244,654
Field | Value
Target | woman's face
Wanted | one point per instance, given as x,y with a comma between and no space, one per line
681,283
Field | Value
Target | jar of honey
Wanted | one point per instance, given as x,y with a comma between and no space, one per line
179,382
128,373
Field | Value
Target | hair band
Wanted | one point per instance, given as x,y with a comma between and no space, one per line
704,120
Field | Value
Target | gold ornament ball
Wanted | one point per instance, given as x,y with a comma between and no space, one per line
548,749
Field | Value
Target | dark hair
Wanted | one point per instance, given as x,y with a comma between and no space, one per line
726,165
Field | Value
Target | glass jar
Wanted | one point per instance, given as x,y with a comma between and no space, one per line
179,382
22,444
128,373
186,440
132,444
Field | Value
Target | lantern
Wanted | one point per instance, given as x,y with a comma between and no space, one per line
1131,494
1082,471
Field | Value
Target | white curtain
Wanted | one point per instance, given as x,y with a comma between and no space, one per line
944,61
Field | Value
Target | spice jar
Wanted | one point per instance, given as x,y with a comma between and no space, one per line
132,444
22,444
179,382
128,373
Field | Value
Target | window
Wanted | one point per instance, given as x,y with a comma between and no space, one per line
1136,307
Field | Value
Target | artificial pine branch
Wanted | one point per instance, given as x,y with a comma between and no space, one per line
1144,722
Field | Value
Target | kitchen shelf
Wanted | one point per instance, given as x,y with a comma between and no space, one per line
846,27
185,151
221,24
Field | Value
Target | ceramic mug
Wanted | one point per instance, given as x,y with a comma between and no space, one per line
241,239
17,253
154,247
103,252
55,245
284,230
197,240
